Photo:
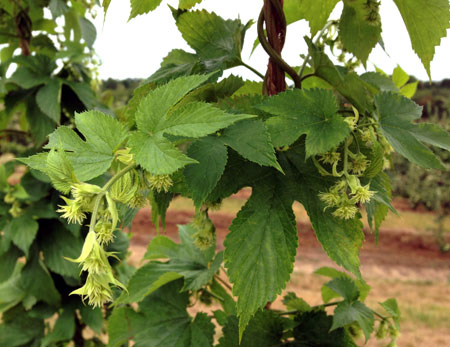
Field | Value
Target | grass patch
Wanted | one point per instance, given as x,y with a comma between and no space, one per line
432,316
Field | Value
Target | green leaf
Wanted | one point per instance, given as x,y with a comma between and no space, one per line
186,260
48,99
264,329
11,292
395,114
260,250
409,89
315,12
60,171
154,107
379,81
83,92
8,262
312,112
399,77
156,154
119,327
348,84
142,7
359,28
58,8
215,40
105,5
145,281
187,4
100,130
292,302
391,307
165,322
427,22
22,231
196,119
432,134
20,330
37,281
341,239
40,125
345,287
202,331
176,64
93,317
313,329
88,31
27,78
228,304
251,139
56,243
349,312
328,293
201,178
90,158
64,328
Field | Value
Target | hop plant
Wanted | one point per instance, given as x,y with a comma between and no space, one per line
351,121
124,156
359,164
382,330
94,260
346,211
72,211
363,194
205,236
331,198
160,182
125,188
15,210
330,157
105,232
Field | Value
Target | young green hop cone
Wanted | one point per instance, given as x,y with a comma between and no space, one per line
94,260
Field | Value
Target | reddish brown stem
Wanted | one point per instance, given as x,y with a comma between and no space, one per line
274,81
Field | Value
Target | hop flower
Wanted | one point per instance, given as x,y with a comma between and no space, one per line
160,182
346,211
72,211
94,260
96,290
124,156
125,188
15,209
363,194
351,121
105,232
359,164
331,198
330,157
137,201
204,238
382,330
84,194
9,198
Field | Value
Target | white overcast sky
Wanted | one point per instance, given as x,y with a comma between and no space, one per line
136,48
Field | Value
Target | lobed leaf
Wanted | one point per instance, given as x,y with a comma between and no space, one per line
312,112
260,250
427,22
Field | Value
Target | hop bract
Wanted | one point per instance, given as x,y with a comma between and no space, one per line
72,211
160,182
